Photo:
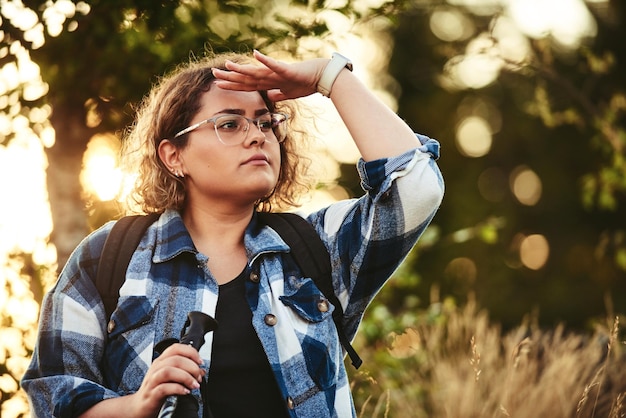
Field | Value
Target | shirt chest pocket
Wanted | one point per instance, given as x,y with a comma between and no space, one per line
306,300
316,329
128,352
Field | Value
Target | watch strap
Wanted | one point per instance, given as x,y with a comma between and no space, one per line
337,63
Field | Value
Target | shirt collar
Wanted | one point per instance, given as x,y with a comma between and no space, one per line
173,239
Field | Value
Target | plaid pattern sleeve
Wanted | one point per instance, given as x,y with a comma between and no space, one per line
369,237
64,372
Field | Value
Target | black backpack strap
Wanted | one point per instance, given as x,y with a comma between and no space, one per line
118,249
311,255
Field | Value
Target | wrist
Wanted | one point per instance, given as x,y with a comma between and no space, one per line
330,73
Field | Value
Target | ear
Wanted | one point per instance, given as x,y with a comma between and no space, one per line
170,156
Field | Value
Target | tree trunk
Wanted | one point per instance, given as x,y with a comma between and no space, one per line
69,217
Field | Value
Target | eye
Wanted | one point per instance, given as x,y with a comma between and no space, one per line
265,123
230,123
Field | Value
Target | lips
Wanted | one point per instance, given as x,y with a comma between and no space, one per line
257,159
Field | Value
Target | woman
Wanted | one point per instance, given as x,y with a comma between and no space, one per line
215,147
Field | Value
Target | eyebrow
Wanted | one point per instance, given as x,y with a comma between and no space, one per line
257,112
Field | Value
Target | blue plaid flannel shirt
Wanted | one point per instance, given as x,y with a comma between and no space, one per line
80,360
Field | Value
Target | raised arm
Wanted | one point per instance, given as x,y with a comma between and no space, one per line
377,131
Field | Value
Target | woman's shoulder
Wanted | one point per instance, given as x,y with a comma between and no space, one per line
87,253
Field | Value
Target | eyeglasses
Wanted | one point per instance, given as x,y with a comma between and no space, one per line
233,129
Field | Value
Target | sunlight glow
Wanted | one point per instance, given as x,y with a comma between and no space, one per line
333,137
22,164
567,21
512,45
10,78
23,73
56,15
15,406
19,15
480,7
28,70
101,175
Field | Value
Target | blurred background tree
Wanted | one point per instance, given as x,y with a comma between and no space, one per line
98,58
526,97
71,75
529,101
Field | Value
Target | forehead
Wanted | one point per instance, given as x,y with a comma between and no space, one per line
218,100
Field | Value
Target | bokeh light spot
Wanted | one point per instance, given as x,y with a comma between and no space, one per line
567,21
462,269
526,186
492,184
534,251
473,137
450,25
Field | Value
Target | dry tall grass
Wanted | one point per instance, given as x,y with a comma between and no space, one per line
462,366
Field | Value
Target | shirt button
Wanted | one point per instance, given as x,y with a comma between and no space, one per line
290,403
110,326
322,306
254,277
271,319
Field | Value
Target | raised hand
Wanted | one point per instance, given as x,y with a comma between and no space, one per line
281,80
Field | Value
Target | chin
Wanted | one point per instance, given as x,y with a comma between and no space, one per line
262,192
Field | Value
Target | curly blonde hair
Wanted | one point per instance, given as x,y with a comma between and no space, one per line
169,108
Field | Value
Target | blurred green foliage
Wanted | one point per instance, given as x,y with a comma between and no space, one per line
558,112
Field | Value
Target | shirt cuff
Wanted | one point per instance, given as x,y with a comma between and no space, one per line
374,173
80,399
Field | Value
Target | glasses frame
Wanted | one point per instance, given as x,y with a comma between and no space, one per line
254,121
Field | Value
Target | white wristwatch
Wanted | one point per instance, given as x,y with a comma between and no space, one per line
337,63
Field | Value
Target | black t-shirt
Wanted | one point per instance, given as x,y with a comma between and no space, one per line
241,383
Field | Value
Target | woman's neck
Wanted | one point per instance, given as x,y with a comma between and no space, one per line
219,235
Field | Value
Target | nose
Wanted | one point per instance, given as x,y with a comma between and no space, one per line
255,134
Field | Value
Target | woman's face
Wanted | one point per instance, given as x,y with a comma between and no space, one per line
233,174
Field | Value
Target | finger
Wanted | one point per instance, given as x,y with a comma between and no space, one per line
276,95
232,76
249,70
166,389
182,350
177,372
278,67
169,374
230,80
227,85
244,86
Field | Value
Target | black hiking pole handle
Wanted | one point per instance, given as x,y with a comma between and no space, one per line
196,326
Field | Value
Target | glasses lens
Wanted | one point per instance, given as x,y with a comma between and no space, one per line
231,129
265,123
279,126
